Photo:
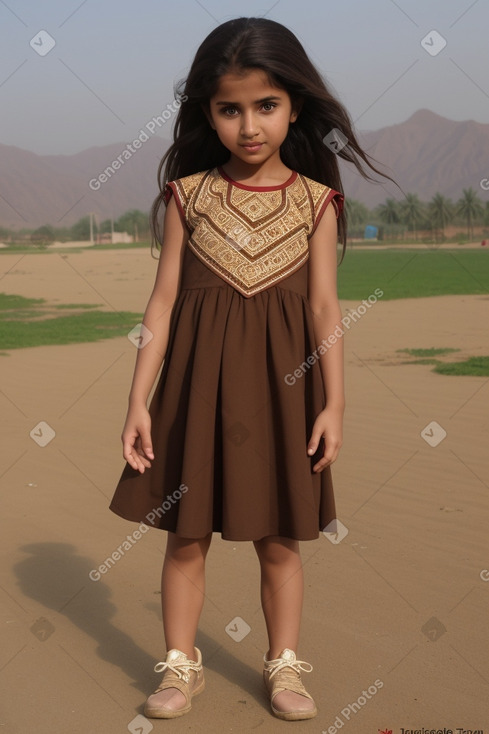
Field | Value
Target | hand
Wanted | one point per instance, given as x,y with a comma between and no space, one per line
136,438
328,424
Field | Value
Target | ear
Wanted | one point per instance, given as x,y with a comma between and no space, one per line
296,108
206,111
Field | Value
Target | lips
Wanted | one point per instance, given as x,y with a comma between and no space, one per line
252,146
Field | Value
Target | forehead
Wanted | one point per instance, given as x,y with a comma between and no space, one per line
248,85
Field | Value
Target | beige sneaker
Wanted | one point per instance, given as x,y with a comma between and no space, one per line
184,676
283,676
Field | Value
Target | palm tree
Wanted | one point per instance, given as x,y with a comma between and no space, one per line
440,210
356,212
412,211
470,207
389,212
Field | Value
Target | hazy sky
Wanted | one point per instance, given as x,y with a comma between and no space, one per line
114,62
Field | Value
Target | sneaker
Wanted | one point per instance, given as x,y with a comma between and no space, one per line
283,675
184,676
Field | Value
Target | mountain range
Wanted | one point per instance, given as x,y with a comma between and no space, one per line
426,154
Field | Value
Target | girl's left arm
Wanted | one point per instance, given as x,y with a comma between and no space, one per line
328,330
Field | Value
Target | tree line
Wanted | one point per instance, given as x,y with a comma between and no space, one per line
134,222
395,219
411,215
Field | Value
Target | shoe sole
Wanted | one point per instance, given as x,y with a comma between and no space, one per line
291,715
162,714
294,715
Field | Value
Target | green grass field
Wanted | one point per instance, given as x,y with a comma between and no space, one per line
416,274
475,366
399,273
426,353
31,322
413,273
28,322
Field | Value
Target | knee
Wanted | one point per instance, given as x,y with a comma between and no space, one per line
187,550
274,550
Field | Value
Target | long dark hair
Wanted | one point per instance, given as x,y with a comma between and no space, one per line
259,43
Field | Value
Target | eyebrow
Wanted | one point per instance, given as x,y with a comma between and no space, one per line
257,101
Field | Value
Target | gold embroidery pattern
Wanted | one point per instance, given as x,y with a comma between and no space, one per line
251,239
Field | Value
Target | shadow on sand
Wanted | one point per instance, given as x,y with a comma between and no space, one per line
56,576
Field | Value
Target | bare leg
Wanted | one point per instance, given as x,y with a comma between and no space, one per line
182,597
282,589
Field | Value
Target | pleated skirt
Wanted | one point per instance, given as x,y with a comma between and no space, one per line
230,419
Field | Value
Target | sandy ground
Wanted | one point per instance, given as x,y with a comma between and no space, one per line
399,605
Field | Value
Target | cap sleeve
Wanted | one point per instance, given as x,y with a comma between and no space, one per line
338,201
185,190
172,188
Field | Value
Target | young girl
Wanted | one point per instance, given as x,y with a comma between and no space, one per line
246,418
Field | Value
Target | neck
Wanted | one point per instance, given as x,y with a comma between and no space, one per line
269,173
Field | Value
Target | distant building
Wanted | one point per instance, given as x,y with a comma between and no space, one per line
113,238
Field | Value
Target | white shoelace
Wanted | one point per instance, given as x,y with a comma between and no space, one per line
274,666
177,668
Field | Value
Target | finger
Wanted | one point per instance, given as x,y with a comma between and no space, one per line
142,458
132,458
145,442
321,464
329,457
131,455
314,441
133,462
127,447
139,456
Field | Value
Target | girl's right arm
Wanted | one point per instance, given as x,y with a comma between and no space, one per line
136,434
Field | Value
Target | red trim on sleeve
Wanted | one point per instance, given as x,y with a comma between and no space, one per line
170,189
338,202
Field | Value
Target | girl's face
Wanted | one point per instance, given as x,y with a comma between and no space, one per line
250,116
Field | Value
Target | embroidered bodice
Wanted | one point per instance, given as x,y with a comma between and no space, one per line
252,237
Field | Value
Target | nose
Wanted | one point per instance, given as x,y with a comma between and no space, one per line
248,125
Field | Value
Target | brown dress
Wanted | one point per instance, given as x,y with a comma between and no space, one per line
230,420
